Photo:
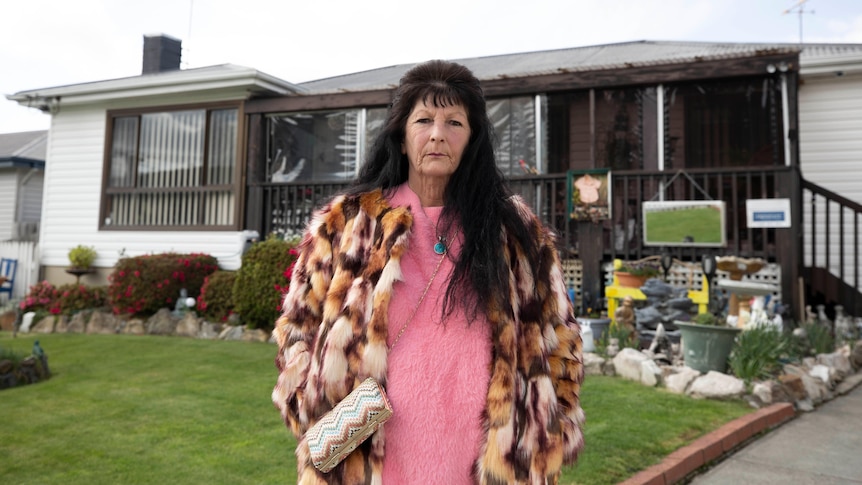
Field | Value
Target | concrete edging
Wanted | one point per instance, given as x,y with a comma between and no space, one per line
713,446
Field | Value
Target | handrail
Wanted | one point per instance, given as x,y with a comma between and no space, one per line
852,299
840,199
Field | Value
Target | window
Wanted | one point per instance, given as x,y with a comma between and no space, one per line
725,123
320,146
517,128
172,170
328,146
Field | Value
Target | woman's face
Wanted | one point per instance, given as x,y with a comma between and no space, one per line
434,139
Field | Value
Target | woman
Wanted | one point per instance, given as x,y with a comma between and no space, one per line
430,277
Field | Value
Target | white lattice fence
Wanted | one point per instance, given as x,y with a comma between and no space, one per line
573,274
690,276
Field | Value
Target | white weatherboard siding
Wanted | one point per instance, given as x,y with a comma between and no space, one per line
72,192
8,204
830,133
31,197
830,146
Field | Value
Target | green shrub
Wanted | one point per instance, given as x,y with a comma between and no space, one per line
262,281
625,338
145,284
82,256
758,353
817,339
216,300
72,298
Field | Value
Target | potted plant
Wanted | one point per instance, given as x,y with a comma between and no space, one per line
82,257
597,321
633,274
706,342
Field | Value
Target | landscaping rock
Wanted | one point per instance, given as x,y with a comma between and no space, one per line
45,325
651,374
848,384
78,323
593,364
162,323
715,385
856,355
188,326
231,332
838,361
821,372
103,323
61,324
628,364
679,381
207,331
134,326
254,335
805,405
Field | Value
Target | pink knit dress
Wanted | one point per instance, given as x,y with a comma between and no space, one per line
438,371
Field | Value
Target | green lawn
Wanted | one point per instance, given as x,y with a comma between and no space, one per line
150,410
701,224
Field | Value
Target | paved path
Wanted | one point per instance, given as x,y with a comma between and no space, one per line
823,447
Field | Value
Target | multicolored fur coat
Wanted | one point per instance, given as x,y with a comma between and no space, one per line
332,335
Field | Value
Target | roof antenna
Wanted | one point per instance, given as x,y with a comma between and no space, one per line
189,35
800,9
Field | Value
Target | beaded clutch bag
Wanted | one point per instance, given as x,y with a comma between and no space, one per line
347,425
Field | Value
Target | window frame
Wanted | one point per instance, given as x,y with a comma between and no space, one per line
237,187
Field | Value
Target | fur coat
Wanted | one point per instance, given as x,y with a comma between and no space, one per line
333,329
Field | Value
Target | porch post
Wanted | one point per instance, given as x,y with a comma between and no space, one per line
254,163
591,253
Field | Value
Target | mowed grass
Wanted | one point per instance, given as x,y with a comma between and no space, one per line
702,224
157,410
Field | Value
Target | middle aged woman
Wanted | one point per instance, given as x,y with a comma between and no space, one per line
429,276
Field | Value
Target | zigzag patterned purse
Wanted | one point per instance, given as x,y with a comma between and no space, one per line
347,425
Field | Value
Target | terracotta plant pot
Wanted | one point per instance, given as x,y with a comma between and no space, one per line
629,280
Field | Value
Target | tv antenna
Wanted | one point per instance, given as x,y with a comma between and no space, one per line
800,9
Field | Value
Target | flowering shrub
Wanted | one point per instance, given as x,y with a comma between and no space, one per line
72,298
40,297
263,280
145,284
66,299
216,300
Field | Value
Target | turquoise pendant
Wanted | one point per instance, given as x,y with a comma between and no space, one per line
440,248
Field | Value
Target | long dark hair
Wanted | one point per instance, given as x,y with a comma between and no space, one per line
476,197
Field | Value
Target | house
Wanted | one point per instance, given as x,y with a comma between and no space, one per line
191,160
179,189
22,169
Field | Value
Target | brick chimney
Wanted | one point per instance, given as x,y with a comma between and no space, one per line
161,53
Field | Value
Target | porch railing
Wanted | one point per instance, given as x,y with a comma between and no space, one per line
831,254
287,207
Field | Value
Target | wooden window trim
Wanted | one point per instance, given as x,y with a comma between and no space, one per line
239,169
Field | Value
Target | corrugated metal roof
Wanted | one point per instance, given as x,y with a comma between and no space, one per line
583,59
31,145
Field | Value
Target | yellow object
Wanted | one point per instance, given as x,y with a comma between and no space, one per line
615,292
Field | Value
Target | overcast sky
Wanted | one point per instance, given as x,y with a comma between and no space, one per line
48,43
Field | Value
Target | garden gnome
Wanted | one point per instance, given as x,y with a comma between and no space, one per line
625,315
